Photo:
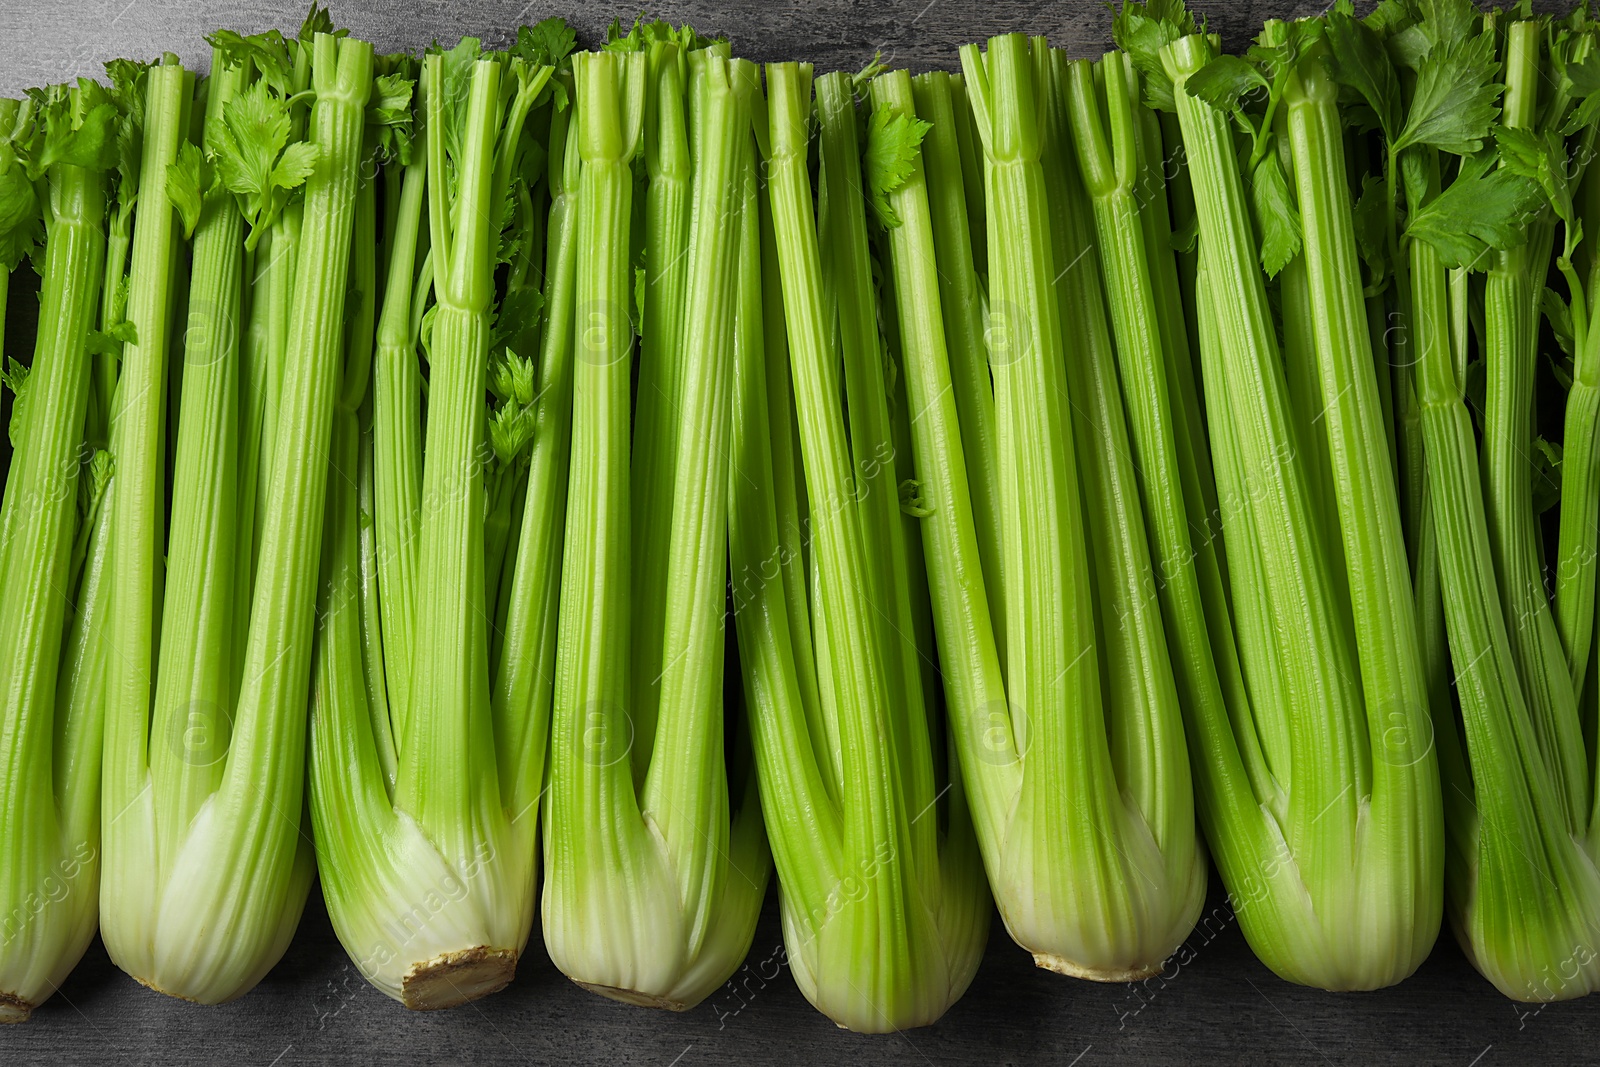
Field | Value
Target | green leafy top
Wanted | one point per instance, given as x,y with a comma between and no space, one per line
1249,89
75,125
72,125
269,55
1143,29
545,44
1484,208
644,33
1453,103
318,20
127,93
389,110
256,159
189,178
14,376
549,43
894,140
863,77
1450,110
513,417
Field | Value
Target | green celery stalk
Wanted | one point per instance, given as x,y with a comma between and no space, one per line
669,166
1344,829
427,755
1523,889
1405,812
1523,879
1091,887
961,298
241,862
52,559
1511,317
668,868
1579,535
397,444
884,917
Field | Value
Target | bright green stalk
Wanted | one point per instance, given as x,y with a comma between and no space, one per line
847,275
1158,388
1404,816
1524,885
1148,753
1298,318
1338,830
669,869
516,183
448,727
961,300
1090,887
1523,899
426,765
523,681
397,444
1158,197
1511,317
972,180
884,921
51,602
669,166
243,863
1578,545
196,657
784,570
272,258
138,438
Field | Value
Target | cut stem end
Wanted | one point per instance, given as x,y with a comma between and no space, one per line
456,978
14,1009
1077,970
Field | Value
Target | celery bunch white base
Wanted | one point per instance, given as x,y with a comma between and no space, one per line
431,933
196,930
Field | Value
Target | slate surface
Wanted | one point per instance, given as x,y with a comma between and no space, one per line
1218,1006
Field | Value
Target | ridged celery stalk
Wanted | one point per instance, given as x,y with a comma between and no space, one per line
1317,776
52,564
884,908
655,879
427,752
1070,736
1524,883
669,194
956,212
205,761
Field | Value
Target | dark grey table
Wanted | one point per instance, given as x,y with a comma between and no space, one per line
1222,1006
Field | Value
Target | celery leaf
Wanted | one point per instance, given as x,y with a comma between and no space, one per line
1485,208
188,178
1454,101
21,221
1540,156
1142,30
894,140
1361,63
1225,81
546,43
1277,215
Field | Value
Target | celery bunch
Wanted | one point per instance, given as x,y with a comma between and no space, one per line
1308,696
55,149
442,556
657,860
207,863
884,908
